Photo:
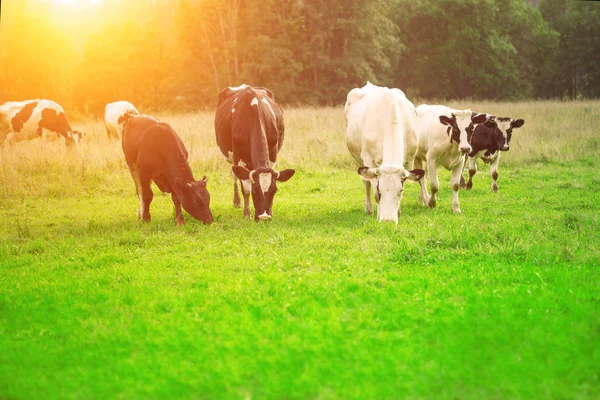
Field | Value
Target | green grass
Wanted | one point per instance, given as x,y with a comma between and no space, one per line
323,302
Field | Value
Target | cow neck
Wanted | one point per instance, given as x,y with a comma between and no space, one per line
258,141
179,168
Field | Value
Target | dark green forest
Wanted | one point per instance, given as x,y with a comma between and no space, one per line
178,54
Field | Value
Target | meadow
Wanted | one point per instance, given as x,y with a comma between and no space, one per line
322,302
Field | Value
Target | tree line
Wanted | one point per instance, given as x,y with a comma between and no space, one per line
178,54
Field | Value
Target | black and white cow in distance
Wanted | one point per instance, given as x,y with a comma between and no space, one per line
443,141
116,114
249,130
154,152
30,119
381,135
487,141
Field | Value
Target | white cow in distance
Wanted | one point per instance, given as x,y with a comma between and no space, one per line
381,135
444,135
116,116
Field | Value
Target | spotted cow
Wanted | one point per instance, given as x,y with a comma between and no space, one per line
116,115
26,120
443,141
249,131
487,142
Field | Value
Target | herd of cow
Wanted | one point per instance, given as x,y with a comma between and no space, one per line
390,139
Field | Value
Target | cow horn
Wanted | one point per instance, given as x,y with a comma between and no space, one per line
276,174
251,177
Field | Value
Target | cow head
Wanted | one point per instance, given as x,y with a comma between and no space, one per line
195,199
262,182
73,137
388,182
460,127
505,126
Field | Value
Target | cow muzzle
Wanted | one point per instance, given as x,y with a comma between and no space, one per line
264,217
505,148
465,149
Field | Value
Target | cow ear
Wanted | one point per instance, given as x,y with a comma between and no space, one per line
517,123
414,175
285,175
240,172
479,118
368,173
445,120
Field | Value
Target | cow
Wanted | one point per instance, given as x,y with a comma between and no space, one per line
249,131
116,115
487,142
443,141
154,152
381,135
30,119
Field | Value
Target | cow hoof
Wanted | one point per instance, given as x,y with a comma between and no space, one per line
431,204
469,185
457,211
180,221
495,189
237,205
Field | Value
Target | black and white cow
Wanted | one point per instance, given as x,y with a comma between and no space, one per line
116,114
249,131
487,141
26,120
443,141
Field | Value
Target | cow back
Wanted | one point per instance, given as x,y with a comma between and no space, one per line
249,125
133,133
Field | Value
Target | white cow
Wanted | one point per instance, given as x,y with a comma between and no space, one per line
381,135
116,115
26,120
443,141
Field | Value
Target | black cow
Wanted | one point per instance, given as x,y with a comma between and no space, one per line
487,141
154,152
249,130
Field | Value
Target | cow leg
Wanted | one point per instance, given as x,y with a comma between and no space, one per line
138,190
455,182
494,173
236,195
472,171
147,196
178,215
246,189
423,194
434,183
368,203
463,184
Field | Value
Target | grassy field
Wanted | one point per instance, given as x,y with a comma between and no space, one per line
323,302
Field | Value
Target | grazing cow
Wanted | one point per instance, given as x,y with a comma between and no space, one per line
154,152
249,131
26,120
487,142
116,115
443,140
381,135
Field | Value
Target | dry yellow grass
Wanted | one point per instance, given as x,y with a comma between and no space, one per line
553,132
